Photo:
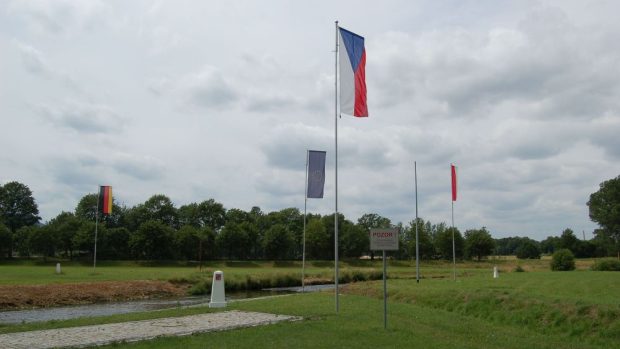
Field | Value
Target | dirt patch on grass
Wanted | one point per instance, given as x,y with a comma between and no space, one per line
366,289
318,281
38,296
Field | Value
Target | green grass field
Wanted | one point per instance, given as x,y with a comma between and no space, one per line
30,272
534,309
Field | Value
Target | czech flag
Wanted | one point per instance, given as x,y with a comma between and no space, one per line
454,181
105,199
352,74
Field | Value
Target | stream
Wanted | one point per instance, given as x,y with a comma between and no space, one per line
103,309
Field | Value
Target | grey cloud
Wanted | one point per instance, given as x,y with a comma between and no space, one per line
533,140
83,117
367,151
605,135
139,167
159,86
260,85
79,175
531,150
263,104
88,161
33,60
285,146
546,62
83,172
529,140
58,16
427,146
508,175
386,197
207,89
280,183
212,95
319,99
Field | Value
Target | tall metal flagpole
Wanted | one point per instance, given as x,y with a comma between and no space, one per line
417,242
96,224
453,243
453,247
303,254
336,169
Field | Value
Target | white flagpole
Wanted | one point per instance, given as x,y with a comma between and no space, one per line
453,247
336,169
417,242
303,258
96,224
453,243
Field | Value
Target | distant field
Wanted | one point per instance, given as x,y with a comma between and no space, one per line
26,272
36,273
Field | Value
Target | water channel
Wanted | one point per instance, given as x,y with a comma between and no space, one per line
103,309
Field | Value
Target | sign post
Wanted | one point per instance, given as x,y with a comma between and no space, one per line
384,240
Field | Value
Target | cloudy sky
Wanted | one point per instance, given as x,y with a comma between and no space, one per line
206,99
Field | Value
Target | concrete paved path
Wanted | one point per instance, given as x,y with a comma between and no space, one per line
85,336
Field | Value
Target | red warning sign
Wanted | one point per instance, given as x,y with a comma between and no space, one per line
384,239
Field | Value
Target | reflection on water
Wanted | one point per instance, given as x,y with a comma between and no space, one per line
103,309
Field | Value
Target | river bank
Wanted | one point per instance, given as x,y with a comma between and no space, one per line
16,297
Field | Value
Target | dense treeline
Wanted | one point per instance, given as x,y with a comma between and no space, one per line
157,230
602,245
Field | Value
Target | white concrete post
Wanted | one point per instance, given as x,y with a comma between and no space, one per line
218,299
495,272
58,271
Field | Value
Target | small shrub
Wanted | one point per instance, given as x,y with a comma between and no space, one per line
519,269
348,276
285,280
563,260
607,264
200,288
358,275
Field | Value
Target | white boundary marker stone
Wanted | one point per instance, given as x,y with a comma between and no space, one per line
495,272
218,297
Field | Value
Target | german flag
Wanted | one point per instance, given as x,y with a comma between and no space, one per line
105,199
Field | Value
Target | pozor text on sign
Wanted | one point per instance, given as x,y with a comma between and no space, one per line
383,234
384,239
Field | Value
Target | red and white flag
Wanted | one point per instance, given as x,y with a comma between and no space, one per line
454,181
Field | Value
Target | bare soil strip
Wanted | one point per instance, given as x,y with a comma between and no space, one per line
13,297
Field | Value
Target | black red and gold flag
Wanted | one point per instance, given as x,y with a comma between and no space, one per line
105,199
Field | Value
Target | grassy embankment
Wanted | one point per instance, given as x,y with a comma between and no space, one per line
543,309
240,275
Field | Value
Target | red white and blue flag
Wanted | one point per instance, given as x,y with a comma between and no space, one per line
352,74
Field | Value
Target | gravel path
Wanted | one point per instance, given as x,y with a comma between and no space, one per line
85,336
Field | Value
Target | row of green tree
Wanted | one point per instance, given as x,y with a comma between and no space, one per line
523,247
156,229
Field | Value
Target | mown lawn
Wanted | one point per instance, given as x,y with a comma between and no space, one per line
359,324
